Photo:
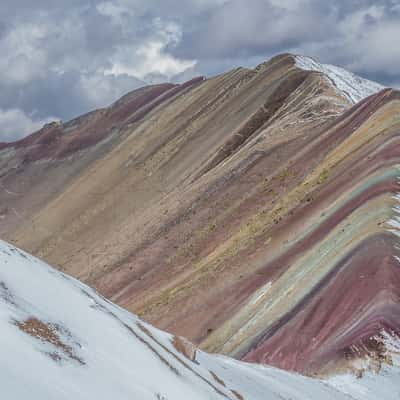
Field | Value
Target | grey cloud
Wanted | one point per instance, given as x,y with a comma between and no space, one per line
266,26
360,35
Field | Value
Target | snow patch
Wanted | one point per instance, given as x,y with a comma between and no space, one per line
353,87
393,224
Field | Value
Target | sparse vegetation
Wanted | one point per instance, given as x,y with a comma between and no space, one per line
323,176
49,333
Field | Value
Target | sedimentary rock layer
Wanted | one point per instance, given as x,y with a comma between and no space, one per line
253,212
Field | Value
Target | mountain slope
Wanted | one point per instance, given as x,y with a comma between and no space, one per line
37,168
62,340
235,212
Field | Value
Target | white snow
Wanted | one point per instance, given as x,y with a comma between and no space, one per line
393,223
353,87
104,352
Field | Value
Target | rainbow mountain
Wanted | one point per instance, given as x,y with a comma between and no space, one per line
255,213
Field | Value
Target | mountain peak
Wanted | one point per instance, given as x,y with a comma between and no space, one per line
353,87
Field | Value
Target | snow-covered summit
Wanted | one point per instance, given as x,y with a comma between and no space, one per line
61,340
352,86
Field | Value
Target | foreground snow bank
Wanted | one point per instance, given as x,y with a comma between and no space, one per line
62,340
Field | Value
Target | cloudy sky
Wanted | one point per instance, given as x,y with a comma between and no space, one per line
62,58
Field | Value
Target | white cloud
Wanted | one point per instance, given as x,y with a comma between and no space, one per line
100,90
151,57
15,124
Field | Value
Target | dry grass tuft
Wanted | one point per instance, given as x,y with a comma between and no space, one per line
48,333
